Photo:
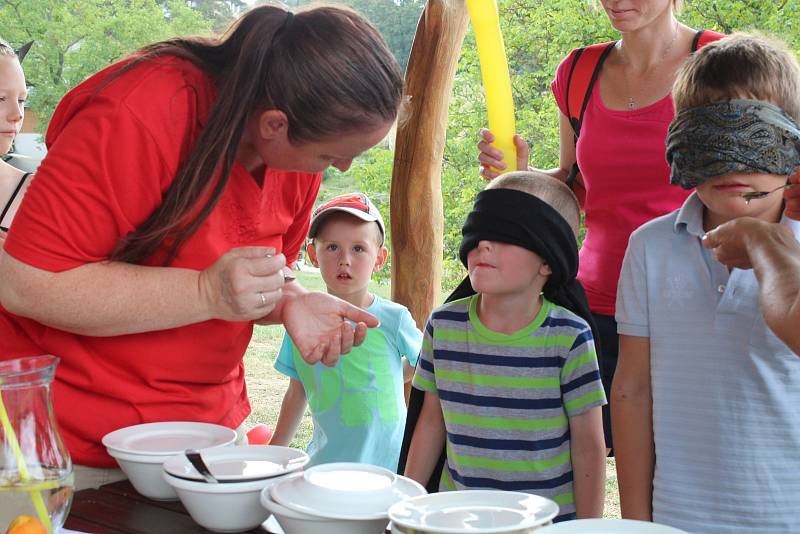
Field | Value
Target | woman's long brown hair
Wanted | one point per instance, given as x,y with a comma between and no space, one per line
326,68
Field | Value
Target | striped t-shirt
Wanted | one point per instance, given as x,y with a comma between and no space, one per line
506,398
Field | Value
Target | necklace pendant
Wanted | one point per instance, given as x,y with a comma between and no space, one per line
631,103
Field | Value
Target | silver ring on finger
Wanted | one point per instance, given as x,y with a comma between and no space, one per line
263,299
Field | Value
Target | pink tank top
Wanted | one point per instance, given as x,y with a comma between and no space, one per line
621,157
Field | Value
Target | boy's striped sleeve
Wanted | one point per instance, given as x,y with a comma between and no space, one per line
424,378
581,387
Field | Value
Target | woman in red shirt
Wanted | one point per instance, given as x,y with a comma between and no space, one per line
177,188
620,151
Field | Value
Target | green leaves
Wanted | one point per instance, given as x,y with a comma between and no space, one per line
76,38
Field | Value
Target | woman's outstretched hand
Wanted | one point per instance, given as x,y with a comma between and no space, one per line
319,326
490,157
244,284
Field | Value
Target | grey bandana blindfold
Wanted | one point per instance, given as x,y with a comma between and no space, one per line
747,136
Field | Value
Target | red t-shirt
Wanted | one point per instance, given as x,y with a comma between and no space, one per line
111,156
621,154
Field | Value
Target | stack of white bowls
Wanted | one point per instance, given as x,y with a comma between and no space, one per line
472,512
338,498
242,472
141,450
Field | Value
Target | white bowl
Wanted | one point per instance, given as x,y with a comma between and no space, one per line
240,463
223,507
609,526
345,491
141,450
473,511
144,473
293,522
168,437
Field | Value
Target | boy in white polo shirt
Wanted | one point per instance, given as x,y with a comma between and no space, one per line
706,399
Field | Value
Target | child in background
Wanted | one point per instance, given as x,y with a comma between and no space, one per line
510,376
706,399
358,406
13,93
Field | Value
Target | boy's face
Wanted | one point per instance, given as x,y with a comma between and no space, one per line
347,252
722,197
501,268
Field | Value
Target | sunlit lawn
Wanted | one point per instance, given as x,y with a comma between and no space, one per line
266,386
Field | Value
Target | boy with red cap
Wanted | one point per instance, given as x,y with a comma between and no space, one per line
358,406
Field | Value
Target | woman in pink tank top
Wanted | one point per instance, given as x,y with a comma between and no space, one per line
620,150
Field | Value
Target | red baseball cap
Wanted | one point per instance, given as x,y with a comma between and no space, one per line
356,204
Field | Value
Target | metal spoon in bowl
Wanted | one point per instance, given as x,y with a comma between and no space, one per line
753,195
197,462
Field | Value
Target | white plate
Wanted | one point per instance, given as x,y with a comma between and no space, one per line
243,462
609,526
478,511
345,491
168,437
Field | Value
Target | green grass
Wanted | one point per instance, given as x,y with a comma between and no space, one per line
266,386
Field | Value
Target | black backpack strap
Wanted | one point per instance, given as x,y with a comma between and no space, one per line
11,200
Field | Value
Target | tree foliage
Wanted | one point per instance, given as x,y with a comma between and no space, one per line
75,38
538,34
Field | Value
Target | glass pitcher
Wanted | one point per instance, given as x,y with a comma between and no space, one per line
35,468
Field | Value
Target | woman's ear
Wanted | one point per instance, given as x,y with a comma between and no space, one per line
545,269
311,251
272,124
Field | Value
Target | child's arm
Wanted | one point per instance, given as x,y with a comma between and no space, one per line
409,339
588,449
292,409
632,424
408,370
428,440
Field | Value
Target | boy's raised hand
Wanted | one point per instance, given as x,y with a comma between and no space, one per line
490,156
792,197
319,325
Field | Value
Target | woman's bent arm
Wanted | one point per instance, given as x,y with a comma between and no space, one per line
113,298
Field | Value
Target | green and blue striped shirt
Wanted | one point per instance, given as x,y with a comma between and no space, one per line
507,398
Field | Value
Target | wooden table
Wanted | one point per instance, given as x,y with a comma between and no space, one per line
118,509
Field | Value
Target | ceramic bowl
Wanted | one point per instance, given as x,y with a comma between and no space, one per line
345,491
141,450
223,507
239,463
474,512
293,522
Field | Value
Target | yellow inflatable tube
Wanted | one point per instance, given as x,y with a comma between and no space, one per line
496,81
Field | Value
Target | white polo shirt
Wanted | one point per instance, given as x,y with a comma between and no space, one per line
726,390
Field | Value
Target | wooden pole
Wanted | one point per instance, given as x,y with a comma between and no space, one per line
416,192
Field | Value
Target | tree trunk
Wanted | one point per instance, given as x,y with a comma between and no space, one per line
416,195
